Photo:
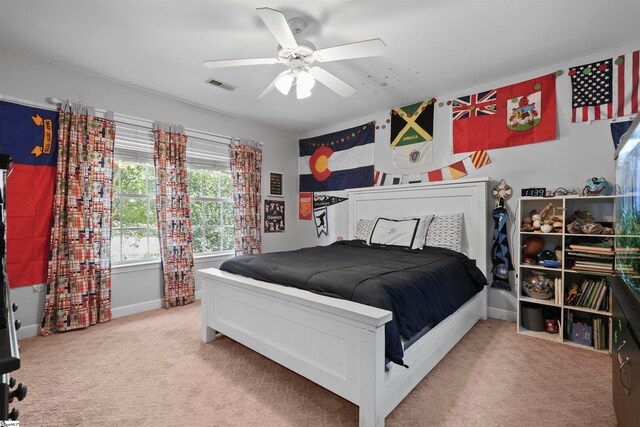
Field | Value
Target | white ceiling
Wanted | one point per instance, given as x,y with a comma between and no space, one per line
434,47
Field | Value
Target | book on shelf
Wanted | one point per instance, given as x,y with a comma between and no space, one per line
600,336
586,286
595,264
597,301
593,269
592,249
593,294
557,282
590,255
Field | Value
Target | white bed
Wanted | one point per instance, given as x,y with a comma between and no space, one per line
339,344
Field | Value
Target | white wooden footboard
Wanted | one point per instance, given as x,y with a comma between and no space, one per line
335,343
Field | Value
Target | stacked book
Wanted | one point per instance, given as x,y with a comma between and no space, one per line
597,256
594,294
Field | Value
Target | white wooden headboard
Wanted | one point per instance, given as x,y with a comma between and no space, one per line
468,196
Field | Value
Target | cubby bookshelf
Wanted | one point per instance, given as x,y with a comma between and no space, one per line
581,299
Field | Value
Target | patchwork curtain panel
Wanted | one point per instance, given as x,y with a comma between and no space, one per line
172,206
246,174
79,273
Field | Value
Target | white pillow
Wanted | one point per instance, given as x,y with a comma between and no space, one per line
364,229
445,231
395,232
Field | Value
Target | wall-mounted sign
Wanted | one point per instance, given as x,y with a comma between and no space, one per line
275,184
273,216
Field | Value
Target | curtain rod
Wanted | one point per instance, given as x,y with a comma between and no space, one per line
53,104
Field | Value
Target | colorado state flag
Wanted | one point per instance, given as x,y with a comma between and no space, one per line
30,136
338,160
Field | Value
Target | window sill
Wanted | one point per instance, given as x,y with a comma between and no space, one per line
154,264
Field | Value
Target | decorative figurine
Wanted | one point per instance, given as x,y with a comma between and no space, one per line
598,187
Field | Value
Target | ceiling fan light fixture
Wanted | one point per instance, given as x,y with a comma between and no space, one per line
301,93
304,84
284,83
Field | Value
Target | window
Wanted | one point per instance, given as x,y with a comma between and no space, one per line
211,210
134,235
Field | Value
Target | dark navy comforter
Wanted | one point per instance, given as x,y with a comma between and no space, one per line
420,287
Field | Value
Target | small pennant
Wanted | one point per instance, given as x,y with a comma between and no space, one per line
435,175
457,170
480,158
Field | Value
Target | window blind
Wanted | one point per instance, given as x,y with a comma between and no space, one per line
134,141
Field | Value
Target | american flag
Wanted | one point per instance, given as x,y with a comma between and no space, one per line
605,89
478,104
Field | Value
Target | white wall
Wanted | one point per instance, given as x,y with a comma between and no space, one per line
580,151
138,288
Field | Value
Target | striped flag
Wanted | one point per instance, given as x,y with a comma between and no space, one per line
480,158
338,160
378,177
605,89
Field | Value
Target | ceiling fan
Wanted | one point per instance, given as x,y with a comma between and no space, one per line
298,55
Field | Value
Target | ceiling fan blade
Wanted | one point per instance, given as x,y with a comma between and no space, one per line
363,49
277,24
332,82
223,63
272,85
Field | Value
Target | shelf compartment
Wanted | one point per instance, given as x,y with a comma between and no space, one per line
587,330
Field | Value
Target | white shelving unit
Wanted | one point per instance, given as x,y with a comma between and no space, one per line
602,209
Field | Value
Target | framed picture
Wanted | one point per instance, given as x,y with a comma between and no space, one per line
275,184
273,216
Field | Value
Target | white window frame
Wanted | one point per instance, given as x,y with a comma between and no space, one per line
134,143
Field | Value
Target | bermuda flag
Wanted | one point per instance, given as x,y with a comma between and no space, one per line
30,136
605,89
338,160
518,114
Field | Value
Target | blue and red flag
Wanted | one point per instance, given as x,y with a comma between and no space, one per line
338,160
30,136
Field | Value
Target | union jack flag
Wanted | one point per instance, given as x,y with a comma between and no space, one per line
478,104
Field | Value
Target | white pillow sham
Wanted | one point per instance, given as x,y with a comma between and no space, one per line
364,229
445,231
395,232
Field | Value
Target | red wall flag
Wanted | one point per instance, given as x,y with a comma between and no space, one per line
513,115
30,136
305,206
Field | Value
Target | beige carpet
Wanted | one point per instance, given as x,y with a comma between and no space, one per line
151,369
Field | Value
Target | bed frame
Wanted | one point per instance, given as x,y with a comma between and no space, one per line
339,344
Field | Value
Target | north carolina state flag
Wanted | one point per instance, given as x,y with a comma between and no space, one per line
30,136
513,115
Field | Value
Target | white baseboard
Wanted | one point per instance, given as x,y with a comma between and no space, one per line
499,313
135,308
28,331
